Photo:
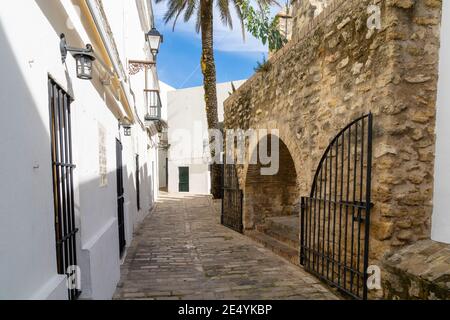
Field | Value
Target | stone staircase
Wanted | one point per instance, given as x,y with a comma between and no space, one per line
281,235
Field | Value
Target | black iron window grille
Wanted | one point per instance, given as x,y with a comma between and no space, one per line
335,219
63,191
120,198
138,184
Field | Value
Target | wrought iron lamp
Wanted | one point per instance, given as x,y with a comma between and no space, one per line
84,58
154,39
126,129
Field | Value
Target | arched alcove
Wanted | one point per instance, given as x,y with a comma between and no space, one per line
274,195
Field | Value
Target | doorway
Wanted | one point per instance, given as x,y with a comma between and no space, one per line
183,179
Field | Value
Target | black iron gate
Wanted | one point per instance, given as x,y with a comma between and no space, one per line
63,192
120,198
335,219
232,199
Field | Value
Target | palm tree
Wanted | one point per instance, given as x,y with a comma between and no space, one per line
203,10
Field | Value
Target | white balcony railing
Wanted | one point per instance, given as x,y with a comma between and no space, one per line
153,103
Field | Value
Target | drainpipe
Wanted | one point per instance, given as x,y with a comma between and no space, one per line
103,34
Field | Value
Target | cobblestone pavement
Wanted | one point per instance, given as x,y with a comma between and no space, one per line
182,252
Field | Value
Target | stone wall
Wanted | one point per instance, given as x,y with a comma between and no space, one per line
261,200
419,271
334,70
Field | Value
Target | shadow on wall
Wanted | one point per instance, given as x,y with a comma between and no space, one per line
26,202
27,227
100,255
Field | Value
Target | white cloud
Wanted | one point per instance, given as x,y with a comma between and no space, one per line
225,39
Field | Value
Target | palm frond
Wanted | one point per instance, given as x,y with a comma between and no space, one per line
172,10
241,18
180,11
188,8
191,6
224,11
198,22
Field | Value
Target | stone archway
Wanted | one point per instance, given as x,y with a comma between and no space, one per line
269,196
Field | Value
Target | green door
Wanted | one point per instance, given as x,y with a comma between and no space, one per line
184,179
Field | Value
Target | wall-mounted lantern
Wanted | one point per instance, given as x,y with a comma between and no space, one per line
154,39
84,58
126,130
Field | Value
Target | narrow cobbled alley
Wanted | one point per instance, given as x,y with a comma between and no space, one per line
182,252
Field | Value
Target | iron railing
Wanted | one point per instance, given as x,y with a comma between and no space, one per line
138,183
63,191
335,219
120,198
154,105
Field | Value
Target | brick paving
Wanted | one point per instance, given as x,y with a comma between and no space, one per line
182,252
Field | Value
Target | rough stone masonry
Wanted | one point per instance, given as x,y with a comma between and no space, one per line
334,70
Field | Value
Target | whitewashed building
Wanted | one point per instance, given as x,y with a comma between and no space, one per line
79,166
163,141
188,168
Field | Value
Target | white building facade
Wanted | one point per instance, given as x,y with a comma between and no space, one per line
164,143
75,181
188,165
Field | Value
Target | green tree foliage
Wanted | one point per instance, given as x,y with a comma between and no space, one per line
259,24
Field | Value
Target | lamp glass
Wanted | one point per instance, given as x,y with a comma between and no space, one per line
84,66
127,131
154,40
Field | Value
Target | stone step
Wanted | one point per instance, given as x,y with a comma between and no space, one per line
283,229
278,247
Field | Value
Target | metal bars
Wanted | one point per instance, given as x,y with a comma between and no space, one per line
120,198
335,219
154,105
63,192
232,199
138,183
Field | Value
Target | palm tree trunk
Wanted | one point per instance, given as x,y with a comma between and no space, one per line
209,81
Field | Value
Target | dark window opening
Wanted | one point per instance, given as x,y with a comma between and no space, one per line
120,198
138,184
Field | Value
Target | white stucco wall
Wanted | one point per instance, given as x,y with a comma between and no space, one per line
441,211
162,152
27,236
165,89
188,133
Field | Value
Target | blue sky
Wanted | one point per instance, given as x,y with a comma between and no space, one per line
178,60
